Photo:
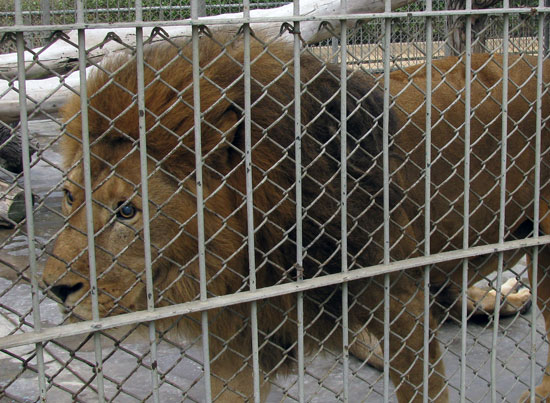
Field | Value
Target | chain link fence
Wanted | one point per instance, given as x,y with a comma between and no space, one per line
47,12
225,215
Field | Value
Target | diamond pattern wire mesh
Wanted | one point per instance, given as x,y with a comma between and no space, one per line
128,358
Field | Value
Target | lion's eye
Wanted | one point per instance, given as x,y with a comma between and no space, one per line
69,197
125,211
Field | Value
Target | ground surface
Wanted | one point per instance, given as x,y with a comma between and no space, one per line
68,361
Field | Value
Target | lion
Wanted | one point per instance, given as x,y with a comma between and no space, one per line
175,191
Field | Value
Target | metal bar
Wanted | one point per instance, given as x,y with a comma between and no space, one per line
334,18
502,203
139,13
44,12
198,9
466,212
86,156
122,11
343,198
250,204
427,201
79,15
386,195
150,289
536,212
263,293
201,8
299,201
29,213
200,210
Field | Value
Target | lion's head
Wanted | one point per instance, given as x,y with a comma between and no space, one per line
117,211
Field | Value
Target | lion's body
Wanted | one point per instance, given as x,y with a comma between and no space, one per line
485,138
173,205
448,154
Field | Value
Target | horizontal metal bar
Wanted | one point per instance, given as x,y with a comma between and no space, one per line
121,10
271,20
260,294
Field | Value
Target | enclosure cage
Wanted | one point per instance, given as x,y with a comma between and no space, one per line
411,29
335,201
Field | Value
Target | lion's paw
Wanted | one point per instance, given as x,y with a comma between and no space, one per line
516,298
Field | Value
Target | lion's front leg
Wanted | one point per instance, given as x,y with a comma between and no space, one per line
366,347
407,364
406,343
232,379
231,371
482,300
233,383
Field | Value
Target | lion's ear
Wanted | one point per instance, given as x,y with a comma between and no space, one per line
220,133
217,132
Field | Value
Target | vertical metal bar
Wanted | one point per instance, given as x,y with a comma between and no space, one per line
466,211
79,11
201,8
89,205
536,206
150,290
44,18
200,205
89,197
502,212
21,75
334,46
427,201
196,9
250,201
343,196
44,12
386,195
299,202
139,12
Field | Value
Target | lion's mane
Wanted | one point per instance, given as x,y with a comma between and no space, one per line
168,79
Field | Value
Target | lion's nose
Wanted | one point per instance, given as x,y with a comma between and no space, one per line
63,291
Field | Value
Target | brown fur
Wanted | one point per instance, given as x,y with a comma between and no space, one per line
169,118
